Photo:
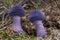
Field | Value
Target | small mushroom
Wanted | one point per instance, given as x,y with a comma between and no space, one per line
36,16
16,12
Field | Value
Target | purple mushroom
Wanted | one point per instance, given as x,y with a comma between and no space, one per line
16,12
36,16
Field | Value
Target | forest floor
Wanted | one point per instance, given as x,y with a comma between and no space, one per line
51,22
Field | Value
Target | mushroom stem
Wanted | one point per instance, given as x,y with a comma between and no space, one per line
41,31
16,25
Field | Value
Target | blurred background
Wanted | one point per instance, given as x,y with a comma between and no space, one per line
51,8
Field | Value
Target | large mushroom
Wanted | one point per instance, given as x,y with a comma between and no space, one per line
36,16
16,12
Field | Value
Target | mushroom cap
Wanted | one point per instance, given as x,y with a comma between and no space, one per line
35,15
16,10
